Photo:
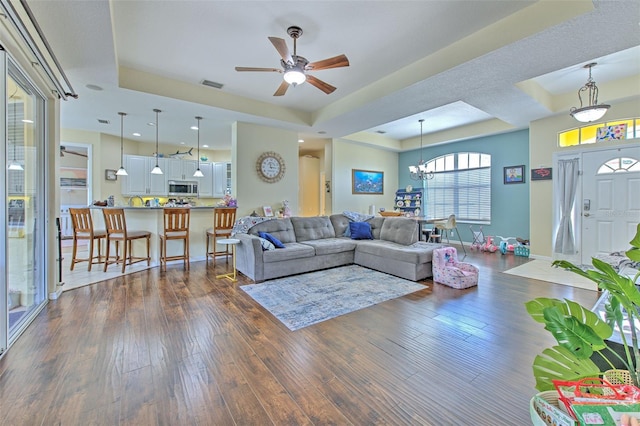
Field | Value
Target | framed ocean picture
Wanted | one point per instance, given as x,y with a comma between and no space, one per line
367,182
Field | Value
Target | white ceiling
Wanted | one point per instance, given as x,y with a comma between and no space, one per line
450,62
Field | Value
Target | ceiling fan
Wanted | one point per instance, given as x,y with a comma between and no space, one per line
295,67
64,150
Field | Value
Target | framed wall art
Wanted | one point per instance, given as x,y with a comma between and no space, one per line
514,174
367,182
541,173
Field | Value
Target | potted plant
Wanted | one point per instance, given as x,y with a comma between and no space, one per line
581,334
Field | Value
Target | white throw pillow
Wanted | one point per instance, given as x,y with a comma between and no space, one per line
266,244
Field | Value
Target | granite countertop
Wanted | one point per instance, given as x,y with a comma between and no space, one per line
149,208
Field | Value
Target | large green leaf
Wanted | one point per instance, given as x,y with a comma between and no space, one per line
558,363
536,308
573,334
635,242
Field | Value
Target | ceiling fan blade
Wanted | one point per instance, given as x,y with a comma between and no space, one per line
283,50
258,69
282,89
325,87
335,62
79,154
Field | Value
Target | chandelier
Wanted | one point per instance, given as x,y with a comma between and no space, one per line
419,171
593,111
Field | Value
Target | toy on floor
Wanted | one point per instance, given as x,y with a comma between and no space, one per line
506,247
478,239
448,271
488,245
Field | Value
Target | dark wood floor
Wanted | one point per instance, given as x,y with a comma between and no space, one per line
182,348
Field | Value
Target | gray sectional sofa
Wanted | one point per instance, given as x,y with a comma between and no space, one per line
313,243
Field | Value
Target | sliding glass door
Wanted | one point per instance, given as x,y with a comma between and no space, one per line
22,254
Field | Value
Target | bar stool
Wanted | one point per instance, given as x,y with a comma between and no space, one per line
223,220
83,230
176,227
117,231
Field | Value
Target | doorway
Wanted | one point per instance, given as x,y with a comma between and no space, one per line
610,201
606,205
75,187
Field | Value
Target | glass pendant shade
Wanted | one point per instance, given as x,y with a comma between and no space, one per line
121,171
156,170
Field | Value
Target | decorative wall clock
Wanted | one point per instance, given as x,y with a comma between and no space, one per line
270,167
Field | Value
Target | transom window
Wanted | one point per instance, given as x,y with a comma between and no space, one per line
461,186
589,134
621,164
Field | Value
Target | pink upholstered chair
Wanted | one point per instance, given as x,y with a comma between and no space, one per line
448,271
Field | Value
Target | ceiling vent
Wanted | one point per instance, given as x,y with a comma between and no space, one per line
102,121
382,132
212,84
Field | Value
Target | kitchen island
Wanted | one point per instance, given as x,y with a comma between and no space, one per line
151,219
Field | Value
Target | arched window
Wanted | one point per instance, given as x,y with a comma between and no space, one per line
461,186
620,164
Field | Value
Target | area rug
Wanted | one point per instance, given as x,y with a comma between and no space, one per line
542,270
302,300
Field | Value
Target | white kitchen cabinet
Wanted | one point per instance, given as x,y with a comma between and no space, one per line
221,179
205,183
23,182
178,169
140,181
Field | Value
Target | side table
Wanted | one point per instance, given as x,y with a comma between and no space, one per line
232,242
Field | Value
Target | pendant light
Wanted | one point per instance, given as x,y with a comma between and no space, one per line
419,171
198,172
156,170
593,111
14,165
121,171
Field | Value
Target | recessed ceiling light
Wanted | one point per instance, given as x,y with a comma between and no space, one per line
205,146
93,87
27,121
194,127
181,143
300,140
137,134
151,124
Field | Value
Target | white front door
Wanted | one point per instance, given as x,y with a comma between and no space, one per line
610,200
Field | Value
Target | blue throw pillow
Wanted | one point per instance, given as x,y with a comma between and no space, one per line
360,231
276,242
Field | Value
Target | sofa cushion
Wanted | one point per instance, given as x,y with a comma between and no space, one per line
312,228
399,230
282,229
360,231
417,253
273,240
340,224
331,245
292,251
376,225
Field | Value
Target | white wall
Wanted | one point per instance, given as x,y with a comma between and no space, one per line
249,141
543,142
348,155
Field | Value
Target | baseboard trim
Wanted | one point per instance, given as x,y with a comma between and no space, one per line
56,294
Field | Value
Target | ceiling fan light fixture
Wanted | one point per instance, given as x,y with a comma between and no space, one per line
294,76
592,111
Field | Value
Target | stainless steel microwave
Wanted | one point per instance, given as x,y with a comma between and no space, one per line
183,188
